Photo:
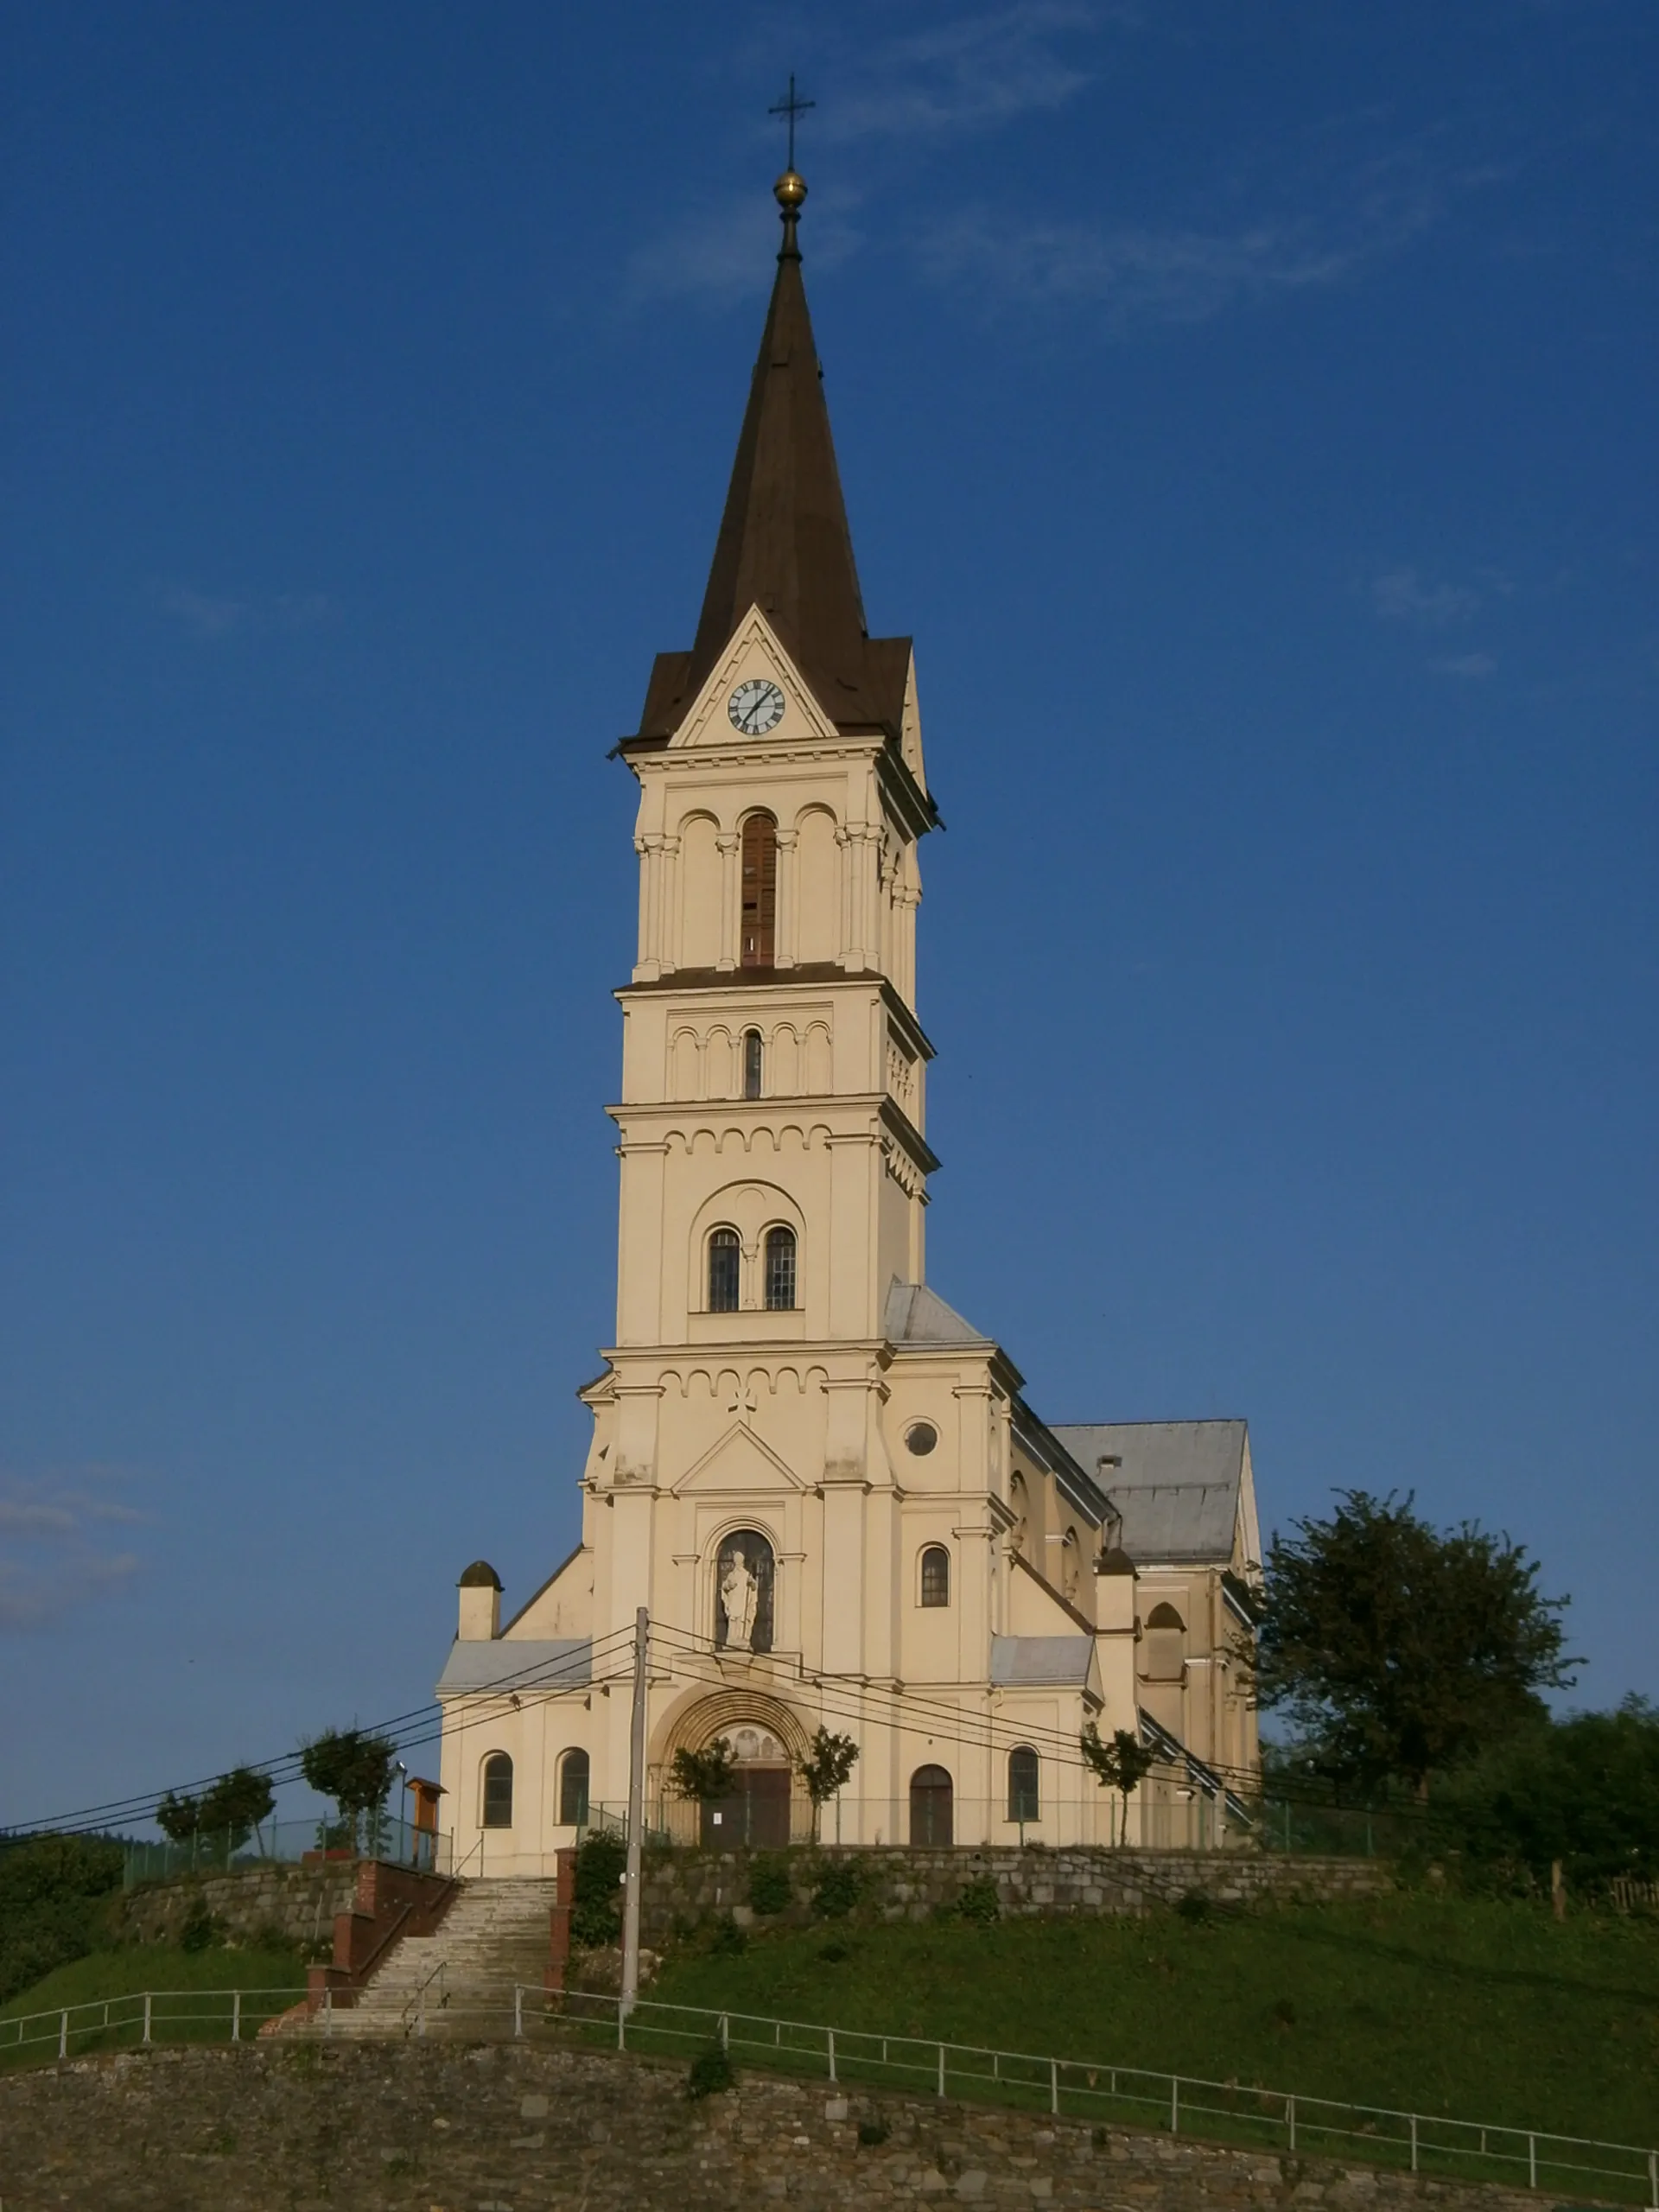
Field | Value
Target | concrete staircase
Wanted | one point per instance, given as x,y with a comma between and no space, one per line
458,1981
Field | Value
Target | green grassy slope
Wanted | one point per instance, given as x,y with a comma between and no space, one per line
158,1967
1483,2012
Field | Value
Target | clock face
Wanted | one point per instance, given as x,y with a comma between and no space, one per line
756,707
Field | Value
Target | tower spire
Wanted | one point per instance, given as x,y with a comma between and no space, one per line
785,545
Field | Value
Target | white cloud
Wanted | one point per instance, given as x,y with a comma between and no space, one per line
723,250
1465,665
1133,274
1401,595
979,72
52,1558
209,614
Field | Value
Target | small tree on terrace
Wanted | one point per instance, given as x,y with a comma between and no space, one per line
704,1777
825,1771
1121,1764
223,1816
355,1769
1401,1649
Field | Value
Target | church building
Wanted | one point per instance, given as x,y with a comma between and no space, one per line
825,1485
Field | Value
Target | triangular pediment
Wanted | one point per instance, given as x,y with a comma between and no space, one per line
755,655
740,1465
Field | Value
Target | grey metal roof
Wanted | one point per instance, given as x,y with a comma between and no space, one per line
1176,1483
917,1315
1040,1658
518,1663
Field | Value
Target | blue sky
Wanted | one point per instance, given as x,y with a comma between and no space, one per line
1249,412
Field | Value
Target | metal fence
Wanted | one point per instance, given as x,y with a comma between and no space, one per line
1224,2111
288,1843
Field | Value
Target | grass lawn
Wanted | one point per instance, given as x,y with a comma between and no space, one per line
1481,2010
201,2014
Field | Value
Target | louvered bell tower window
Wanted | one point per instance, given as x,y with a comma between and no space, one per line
760,862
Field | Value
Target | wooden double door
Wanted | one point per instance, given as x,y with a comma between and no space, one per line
756,1814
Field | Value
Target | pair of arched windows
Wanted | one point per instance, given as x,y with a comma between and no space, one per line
726,1271
497,1811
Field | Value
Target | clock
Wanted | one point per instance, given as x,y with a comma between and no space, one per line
756,707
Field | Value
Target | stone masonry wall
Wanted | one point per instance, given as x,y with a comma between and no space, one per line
495,2128
684,1888
297,1905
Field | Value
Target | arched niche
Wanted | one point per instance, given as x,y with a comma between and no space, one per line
745,1589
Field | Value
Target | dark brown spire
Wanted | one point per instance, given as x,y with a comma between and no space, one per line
783,543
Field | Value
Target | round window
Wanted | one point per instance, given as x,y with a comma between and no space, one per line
922,1438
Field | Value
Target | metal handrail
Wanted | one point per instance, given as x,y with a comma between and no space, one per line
1079,2085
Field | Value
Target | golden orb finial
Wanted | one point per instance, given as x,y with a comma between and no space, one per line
790,190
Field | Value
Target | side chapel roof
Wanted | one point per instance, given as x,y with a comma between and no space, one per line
1176,1483
784,545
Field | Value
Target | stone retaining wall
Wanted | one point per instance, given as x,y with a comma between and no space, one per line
494,2128
292,1905
683,1889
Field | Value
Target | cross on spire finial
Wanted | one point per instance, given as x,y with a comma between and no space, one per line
792,107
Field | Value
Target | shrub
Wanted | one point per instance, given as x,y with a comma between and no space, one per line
200,1931
837,1889
978,1901
711,2073
872,2131
769,1888
729,1940
1194,1906
595,1910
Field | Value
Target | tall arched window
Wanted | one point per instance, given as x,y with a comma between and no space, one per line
725,1263
497,1791
936,1575
1023,1796
573,1790
780,1270
932,1808
760,919
1164,1656
752,1050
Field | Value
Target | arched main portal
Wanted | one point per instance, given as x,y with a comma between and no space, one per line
767,1740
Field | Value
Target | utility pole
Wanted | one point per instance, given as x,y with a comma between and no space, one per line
636,1812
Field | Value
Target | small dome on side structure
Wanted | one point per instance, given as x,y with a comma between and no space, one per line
480,1575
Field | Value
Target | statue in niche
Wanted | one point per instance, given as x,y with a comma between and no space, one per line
743,1583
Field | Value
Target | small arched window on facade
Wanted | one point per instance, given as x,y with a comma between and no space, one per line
936,1575
573,1790
780,1270
760,916
1070,1564
752,1062
1164,1656
725,1266
1024,1800
497,1791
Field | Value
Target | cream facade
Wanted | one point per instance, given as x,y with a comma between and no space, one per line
824,1486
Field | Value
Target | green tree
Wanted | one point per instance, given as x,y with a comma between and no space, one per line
826,1770
1584,1790
1399,1649
1121,1764
55,1901
355,1769
704,1777
223,1816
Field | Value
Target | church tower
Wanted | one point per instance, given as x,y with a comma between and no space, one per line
824,1484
